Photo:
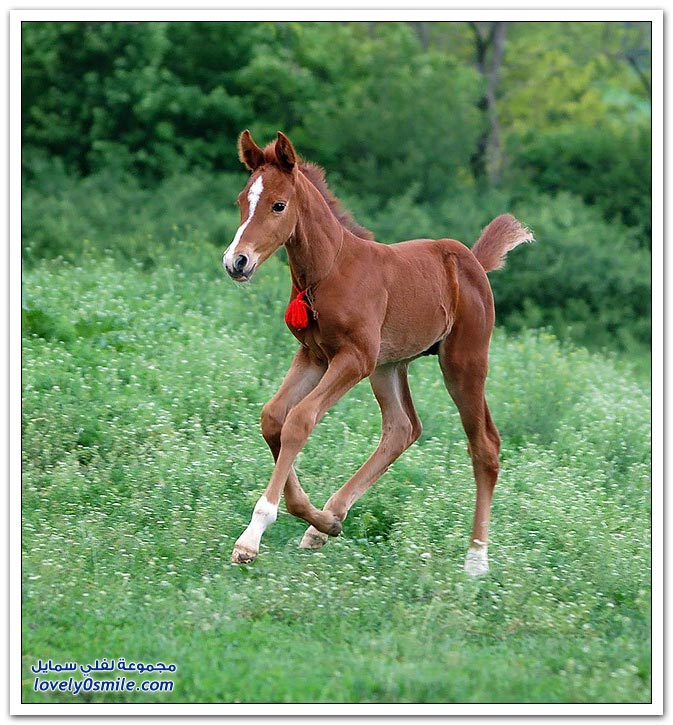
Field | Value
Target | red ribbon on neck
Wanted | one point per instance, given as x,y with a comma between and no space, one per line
296,314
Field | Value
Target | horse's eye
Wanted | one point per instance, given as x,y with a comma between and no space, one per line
279,206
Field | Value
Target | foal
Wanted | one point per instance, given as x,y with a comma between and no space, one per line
363,309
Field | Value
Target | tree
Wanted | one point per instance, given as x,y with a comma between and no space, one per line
489,47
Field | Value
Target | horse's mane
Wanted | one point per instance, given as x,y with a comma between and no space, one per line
316,175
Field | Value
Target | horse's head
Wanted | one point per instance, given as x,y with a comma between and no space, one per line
268,214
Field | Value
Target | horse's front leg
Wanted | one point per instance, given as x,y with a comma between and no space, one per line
304,374
344,371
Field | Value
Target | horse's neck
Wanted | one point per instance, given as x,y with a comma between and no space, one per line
318,238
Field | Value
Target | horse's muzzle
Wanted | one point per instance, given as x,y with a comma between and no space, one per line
240,269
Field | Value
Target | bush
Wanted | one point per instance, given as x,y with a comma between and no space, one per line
110,212
586,279
109,93
607,169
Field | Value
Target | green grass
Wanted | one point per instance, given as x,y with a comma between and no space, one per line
142,460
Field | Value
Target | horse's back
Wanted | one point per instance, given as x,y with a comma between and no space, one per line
434,255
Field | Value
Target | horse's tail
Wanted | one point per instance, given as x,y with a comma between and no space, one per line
497,238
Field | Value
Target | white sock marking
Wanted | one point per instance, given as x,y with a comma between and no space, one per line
263,516
253,198
476,561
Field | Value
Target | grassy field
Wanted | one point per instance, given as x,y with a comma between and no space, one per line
142,460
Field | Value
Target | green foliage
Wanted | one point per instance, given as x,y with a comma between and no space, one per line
408,124
106,94
371,107
142,460
566,75
585,278
587,161
109,212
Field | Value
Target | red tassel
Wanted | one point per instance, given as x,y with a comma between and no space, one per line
296,314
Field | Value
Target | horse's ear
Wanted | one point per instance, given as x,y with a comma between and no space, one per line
249,152
285,153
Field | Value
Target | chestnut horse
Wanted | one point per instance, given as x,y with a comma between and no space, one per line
364,309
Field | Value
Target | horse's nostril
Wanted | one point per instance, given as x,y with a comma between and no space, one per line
240,263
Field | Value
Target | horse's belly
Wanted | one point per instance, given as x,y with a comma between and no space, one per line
409,331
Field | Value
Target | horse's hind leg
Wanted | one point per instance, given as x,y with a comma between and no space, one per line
400,428
465,376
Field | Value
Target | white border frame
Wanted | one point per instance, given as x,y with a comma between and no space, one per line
397,14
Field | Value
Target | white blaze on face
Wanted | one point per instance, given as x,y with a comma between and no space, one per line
262,517
253,198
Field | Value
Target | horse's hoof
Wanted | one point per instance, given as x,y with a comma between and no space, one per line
313,539
242,555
